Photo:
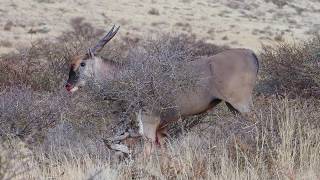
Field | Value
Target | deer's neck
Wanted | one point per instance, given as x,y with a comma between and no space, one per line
105,69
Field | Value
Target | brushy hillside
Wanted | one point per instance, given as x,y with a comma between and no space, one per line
47,133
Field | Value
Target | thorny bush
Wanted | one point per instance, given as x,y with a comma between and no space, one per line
292,69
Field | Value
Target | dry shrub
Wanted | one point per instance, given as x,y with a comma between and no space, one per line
292,69
36,109
42,66
5,43
33,98
154,11
154,72
279,3
27,114
55,127
8,26
67,141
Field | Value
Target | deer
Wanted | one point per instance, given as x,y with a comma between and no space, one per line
228,77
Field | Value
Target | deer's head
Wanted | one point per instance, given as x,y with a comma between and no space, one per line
83,65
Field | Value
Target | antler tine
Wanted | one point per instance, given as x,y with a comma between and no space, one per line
105,39
112,34
108,34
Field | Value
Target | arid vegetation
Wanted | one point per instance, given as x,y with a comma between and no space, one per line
47,133
293,69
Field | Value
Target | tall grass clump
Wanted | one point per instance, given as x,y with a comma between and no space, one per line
16,159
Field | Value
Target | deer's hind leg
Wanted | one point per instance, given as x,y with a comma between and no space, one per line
162,134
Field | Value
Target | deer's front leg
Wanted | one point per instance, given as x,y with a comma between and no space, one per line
148,125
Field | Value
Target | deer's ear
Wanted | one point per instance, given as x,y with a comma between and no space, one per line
90,53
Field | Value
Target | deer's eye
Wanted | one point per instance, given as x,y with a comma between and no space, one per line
82,64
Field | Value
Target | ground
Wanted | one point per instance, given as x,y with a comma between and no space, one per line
241,23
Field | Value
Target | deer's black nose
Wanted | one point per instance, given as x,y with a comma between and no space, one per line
68,86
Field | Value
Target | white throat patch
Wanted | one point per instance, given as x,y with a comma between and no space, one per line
139,118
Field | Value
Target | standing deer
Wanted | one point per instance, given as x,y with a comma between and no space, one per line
228,76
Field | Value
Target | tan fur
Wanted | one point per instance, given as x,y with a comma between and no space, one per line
229,76
76,60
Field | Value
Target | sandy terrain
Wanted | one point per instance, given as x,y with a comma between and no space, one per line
241,23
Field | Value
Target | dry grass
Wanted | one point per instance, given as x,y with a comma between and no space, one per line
284,146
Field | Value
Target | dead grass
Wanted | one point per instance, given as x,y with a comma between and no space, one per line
284,146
